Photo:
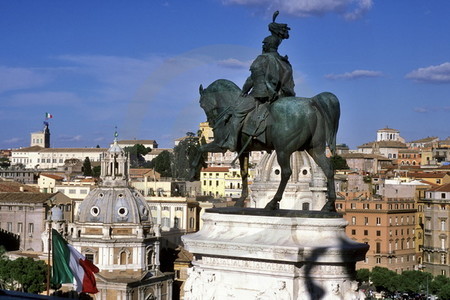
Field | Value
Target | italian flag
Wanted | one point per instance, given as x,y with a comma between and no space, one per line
70,266
48,116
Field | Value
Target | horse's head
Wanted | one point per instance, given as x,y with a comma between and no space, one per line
218,96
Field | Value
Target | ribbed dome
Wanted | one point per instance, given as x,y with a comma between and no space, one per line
306,187
114,205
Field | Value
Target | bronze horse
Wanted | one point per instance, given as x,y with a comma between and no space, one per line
293,124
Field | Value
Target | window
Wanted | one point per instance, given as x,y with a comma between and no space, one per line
366,220
366,206
353,205
353,231
72,191
9,226
378,260
378,221
165,221
191,222
366,232
442,225
165,208
83,191
19,228
30,228
305,206
378,206
378,233
89,256
178,208
176,222
353,220
443,195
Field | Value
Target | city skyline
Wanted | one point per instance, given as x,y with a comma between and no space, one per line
95,66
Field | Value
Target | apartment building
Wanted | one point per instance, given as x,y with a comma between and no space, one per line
436,211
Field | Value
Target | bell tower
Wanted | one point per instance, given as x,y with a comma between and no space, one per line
41,138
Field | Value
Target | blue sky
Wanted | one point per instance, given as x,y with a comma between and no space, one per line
137,65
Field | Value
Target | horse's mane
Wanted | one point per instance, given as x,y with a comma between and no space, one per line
222,85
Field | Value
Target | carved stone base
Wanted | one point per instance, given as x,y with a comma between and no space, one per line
279,255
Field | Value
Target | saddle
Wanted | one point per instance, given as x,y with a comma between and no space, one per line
255,123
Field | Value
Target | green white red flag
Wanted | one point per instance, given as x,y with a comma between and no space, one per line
48,116
70,266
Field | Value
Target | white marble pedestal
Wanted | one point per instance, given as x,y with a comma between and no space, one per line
257,254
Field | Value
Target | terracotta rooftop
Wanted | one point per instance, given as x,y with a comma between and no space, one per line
427,174
215,169
384,144
426,140
363,155
56,177
24,197
441,188
12,186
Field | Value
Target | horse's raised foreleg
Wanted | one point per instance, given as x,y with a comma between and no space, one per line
198,160
243,163
283,159
325,164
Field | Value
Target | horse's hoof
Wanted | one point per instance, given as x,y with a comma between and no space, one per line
329,207
272,205
239,203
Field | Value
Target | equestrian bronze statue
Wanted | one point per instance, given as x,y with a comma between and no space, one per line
266,115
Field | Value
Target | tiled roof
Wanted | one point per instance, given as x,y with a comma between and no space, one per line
363,155
388,129
425,140
99,150
384,144
215,169
12,186
24,197
29,149
428,175
441,188
56,177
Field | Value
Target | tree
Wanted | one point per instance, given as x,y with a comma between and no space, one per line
25,274
444,292
96,171
338,162
4,162
87,168
438,283
162,163
413,281
384,279
363,275
137,153
183,156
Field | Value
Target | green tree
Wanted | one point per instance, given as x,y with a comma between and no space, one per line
162,163
137,153
338,162
96,171
183,156
384,279
4,162
438,283
444,292
87,168
413,281
363,275
25,274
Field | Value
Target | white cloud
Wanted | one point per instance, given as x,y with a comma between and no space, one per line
356,74
431,74
20,78
70,138
14,140
234,63
349,9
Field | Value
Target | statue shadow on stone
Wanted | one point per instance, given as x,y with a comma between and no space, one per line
266,115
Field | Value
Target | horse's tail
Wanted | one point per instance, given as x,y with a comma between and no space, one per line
329,107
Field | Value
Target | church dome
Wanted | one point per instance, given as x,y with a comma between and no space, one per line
306,188
114,201
114,205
